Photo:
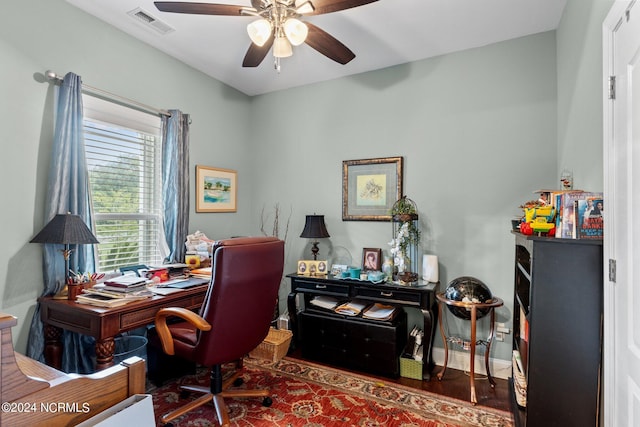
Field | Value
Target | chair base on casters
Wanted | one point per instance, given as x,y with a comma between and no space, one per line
217,398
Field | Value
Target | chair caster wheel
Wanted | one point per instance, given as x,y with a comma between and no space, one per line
267,401
238,382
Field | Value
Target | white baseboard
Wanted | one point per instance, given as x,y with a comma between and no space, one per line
460,360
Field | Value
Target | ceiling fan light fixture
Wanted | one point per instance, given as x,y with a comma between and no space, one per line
259,31
282,47
296,31
303,7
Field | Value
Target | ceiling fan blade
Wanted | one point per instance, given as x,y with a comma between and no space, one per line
255,54
328,45
199,8
328,6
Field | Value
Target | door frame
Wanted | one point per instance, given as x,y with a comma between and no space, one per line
610,392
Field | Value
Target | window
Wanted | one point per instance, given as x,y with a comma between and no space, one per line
123,148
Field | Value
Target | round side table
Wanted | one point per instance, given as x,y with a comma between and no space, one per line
473,308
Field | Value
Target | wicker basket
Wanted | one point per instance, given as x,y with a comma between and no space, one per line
274,347
519,382
410,368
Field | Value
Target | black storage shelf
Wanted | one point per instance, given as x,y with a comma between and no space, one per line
558,285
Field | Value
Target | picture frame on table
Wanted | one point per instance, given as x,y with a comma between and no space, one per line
371,259
312,267
216,189
370,187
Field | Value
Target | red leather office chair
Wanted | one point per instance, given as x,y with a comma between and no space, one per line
234,318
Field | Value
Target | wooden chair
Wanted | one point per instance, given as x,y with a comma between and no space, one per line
233,320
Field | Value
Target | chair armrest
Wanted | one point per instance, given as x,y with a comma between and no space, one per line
163,330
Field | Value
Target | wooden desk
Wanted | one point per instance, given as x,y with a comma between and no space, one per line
105,323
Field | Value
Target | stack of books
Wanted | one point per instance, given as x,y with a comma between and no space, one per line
203,272
103,298
125,284
175,271
579,214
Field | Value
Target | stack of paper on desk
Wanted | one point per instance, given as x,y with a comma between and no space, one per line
351,308
380,312
325,302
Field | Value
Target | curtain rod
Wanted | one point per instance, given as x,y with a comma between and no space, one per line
52,76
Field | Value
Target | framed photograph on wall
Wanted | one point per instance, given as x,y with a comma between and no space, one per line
370,187
216,189
371,259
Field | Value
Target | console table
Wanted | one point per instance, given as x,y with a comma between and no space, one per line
105,323
420,296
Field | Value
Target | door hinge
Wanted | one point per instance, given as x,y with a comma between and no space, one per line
612,270
612,87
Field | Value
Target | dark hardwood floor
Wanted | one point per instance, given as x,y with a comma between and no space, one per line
454,384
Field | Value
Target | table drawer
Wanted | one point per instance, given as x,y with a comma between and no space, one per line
392,296
302,285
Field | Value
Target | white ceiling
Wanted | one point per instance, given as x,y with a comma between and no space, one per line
381,34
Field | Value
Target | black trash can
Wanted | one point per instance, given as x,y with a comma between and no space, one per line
128,346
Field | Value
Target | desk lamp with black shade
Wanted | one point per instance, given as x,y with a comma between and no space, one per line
66,229
314,228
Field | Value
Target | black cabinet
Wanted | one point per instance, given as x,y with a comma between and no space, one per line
370,346
557,311
366,345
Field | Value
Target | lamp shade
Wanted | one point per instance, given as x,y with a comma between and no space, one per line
296,31
314,227
259,31
282,47
65,229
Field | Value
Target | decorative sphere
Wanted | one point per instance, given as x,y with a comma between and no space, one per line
467,289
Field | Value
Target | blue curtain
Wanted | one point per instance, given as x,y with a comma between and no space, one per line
67,191
175,183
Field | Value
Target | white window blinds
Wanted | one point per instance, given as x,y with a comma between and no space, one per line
123,148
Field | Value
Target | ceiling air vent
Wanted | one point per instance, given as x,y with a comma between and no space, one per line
149,20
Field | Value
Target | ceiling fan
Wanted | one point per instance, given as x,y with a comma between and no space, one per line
278,25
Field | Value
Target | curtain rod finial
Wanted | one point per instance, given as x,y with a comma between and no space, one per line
51,75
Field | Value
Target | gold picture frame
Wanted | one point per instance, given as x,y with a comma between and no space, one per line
216,189
312,267
370,187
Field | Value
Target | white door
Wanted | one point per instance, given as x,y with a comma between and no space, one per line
621,34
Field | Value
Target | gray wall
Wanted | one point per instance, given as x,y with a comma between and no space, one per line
478,130
36,35
580,89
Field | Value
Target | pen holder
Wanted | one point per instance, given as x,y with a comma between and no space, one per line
73,290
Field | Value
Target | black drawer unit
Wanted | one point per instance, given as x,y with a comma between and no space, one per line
352,342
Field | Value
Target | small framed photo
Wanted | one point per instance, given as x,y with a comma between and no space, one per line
371,259
338,269
216,189
312,267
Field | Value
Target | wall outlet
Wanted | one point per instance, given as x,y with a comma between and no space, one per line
501,327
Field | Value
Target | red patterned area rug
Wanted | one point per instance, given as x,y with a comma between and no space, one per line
309,395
